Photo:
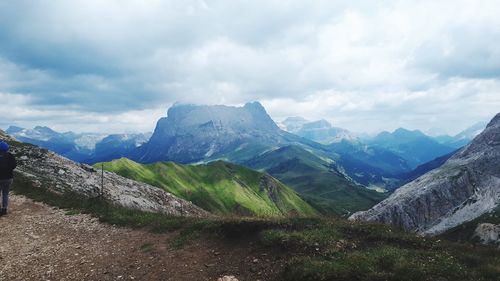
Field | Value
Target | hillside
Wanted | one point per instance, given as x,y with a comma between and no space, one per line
316,179
218,187
42,169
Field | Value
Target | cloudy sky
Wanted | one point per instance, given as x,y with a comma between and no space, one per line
114,66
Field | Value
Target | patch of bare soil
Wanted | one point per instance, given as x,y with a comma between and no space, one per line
38,242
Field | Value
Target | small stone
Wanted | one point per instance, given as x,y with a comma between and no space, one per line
227,278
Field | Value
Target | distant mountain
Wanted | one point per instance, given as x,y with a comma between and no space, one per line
462,138
413,146
84,147
117,146
465,188
471,132
218,187
317,179
369,164
320,131
193,133
293,124
77,147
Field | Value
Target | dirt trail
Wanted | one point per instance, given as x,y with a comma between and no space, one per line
38,242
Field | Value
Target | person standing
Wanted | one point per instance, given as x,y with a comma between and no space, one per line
7,166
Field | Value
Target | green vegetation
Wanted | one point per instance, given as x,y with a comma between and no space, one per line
72,212
340,250
147,247
316,180
313,248
218,187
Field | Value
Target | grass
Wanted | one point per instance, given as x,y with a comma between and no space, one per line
147,247
72,212
340,250
316,180
218,187
314,248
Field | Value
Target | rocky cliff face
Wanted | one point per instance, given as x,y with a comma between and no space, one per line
192,133
41,168
465,187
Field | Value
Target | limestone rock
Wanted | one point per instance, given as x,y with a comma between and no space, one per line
488,233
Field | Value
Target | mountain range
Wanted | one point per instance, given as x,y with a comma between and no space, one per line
80,147
330,167
464,188
413,146
248,136
463,138
237,160
193,133
320,131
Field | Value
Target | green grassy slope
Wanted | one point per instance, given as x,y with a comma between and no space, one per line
218,187
316,179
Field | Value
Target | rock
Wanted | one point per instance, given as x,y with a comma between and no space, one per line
227,278
41,168
464,188
488,233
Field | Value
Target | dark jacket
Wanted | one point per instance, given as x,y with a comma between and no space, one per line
7,165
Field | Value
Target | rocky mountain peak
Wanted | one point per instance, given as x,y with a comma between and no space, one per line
191,133
14,129
402,132
255,107
495,121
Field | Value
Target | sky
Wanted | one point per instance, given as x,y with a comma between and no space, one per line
117,66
